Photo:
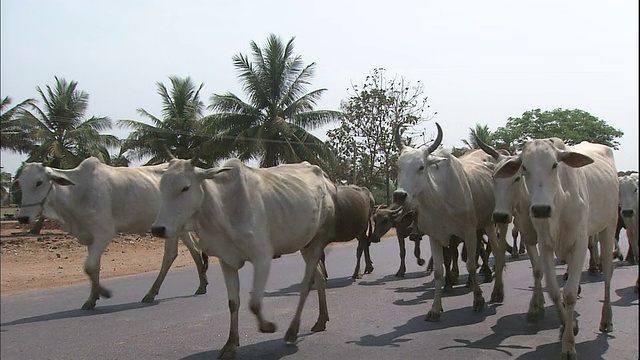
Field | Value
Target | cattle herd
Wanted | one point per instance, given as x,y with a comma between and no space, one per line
562,200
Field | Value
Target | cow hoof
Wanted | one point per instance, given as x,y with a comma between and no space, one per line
497,296
447,288
291,336
478,305
104,293
400,274
565,277
268,327
428,272
515,256
148,298
421,262
368,270
606,327
356,276
201,291
533,316
433,316
593,271
89,305
228,351
319,326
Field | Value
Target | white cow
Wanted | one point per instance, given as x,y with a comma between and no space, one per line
246,214
95,201
573,194
629,210
454,197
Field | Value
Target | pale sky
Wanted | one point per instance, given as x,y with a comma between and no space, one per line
480,61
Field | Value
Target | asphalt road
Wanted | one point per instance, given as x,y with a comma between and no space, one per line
378,317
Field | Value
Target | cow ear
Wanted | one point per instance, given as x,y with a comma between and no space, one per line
61,180
434,160
574,159
211,173
508,168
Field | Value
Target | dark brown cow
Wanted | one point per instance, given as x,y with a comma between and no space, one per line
386,217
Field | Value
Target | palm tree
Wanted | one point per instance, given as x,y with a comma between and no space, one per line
179,130
272,125
62,134
14,132
481,132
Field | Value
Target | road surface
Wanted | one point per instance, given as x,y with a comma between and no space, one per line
377,317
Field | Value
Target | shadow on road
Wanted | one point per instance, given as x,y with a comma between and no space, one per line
99,310
267,350
459,317
506,327
392,278
593,349
628,297
294,289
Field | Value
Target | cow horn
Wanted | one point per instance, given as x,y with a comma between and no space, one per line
168,152
488,149
438,140
397,138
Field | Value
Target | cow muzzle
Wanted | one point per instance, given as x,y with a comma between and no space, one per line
541,211
501,218
159,231
400,196
627,213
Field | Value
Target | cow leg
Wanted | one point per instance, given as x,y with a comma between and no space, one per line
438,272
170,254
323,313
487,274
368,264
232,282
455,269
448,277
536,305
499,255
429,269
606,242
311,255
92,269
515,252
198,259
471,241
416,252
403,253
261,269
575,262
356,271
594,255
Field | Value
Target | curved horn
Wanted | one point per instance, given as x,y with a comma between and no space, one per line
438,140
397,138
168,152
488,149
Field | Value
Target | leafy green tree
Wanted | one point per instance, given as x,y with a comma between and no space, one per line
272,124
572,126
180,129
14,132
363,143
63,136
481,132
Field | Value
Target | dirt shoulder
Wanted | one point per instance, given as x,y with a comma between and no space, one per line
53,258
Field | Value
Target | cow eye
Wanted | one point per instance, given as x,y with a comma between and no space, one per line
524,168
185,189
516,179
38,183
421,168
555,165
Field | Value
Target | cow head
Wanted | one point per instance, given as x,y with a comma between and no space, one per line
182,194
628,196
506,190
36,182
412,167
540,161
384,218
